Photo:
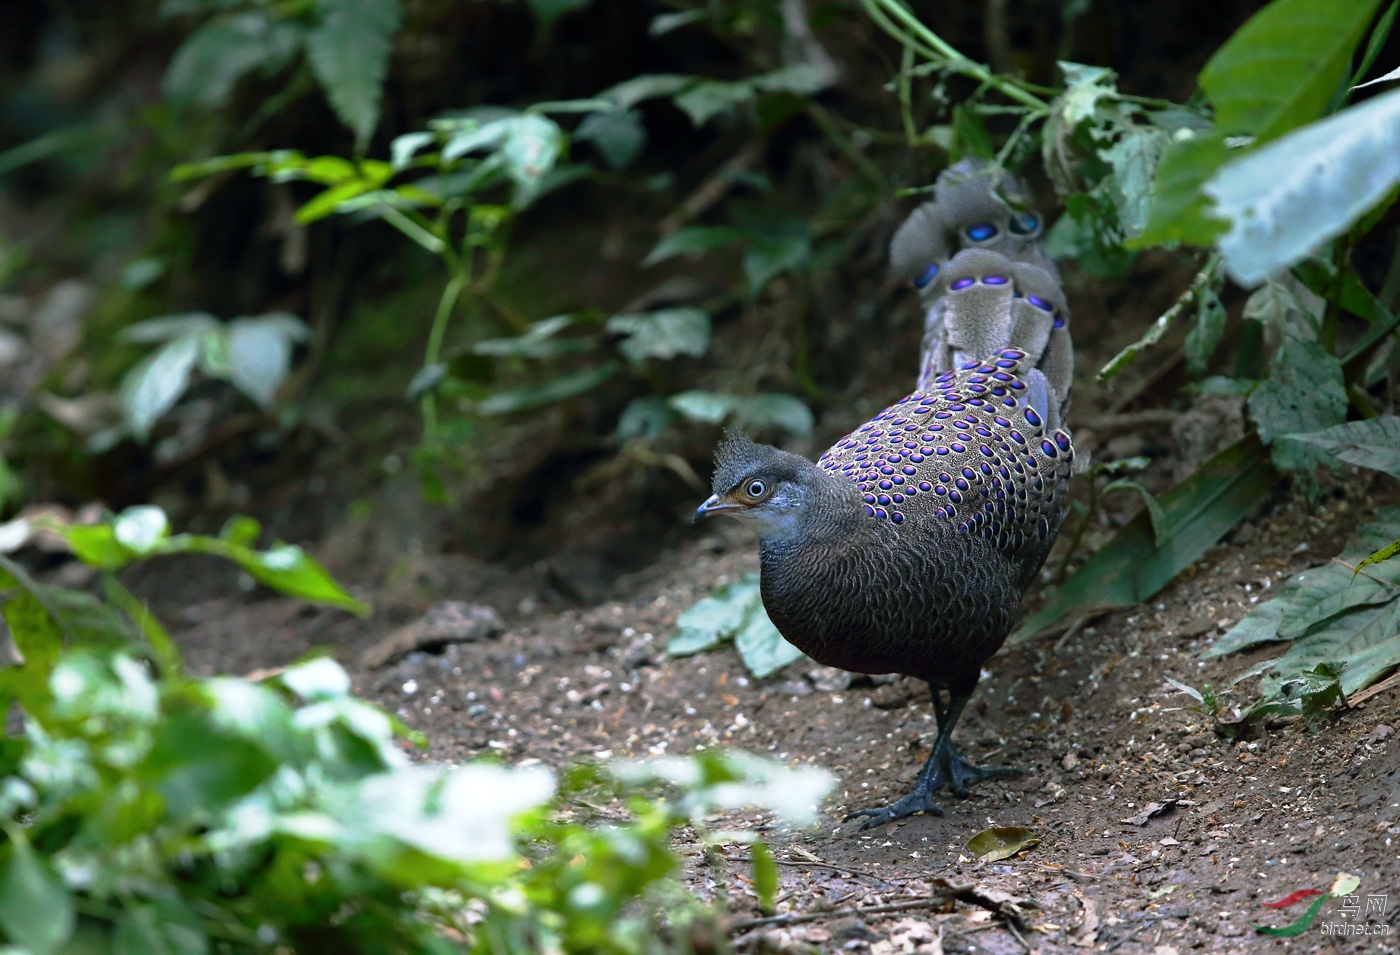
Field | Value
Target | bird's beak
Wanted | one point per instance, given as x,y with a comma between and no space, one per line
713,505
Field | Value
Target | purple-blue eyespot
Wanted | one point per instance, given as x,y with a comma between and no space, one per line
995,280
929,273
962,284
1039,302
981,231
1025,223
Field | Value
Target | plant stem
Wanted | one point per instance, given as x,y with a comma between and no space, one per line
1081,528
446,303
1159,327
899,22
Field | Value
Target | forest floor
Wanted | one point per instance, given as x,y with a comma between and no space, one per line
1088,716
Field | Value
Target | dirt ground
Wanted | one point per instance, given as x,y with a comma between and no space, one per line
1088,716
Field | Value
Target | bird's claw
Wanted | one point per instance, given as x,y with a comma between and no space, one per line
912,803
952,772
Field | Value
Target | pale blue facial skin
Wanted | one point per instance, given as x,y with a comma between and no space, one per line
777,518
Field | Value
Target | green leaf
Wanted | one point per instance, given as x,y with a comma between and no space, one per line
158,930
708,407
1260,625
762,648
1286,198
1374,443
629,93
692,240
538,342
1382,555
644,418
140,529
1001,842
260,353
1131,568
708,98
1304,392
288,569
771,410
208,64
1276,72
1281,68
618,136
715,619
765,876
1154,508
537,396
349,53
151,388
1204,337
662,334
36,911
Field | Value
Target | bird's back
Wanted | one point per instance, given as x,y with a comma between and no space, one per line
959,488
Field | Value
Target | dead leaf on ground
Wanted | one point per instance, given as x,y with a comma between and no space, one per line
1150,811
1001,842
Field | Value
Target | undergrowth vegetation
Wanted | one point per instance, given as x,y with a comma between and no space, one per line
299,165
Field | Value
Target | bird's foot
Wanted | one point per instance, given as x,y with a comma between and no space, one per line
951,772
919,800
957,774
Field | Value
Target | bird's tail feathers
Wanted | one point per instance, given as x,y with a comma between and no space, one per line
974,255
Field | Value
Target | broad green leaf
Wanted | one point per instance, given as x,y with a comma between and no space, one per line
152,387
1134,156
1085,86
1284,199
198,770
288,569
169,327
644,418
36,910
208,64
708,98
629,93
97,546
691,240
1154,509
709,407
733,779
1276,72
531,149
1365,640
349,53
1392,75
618,136
158,930
662,334
260,353
557,389
762,647
1131,568
1204,337
717,618
1258,626
773,410
538,342
1281,68
1001,842
1304,392
1371,444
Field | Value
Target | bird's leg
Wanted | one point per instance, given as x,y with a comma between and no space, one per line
945,767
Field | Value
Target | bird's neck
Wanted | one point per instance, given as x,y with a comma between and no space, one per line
828,506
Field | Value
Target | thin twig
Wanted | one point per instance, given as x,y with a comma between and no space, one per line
1164,321
797,918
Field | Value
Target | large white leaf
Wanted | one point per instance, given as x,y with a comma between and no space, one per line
260,353
152,387
1306,187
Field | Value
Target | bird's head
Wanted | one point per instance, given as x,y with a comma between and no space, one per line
760,483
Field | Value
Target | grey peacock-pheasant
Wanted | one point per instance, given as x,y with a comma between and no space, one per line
908,547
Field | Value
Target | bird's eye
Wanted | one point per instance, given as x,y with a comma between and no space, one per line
756,489
928,275
1025,223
